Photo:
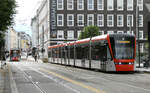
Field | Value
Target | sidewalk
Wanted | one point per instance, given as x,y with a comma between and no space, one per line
4,80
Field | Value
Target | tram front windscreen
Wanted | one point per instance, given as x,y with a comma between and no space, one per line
123,47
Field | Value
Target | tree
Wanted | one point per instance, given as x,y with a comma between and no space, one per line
89,31
7,10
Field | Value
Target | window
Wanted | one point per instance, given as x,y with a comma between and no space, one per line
110,4
141,47
130,32
120,32
110,20
100,20
80,19
110,32
60,20
130,5
140,4
101,32
120,4
70,4
70,34
129,20
70,20
100,4
78,33
140,34
120,20
80,4
90,5
140,20
60,34
60,5
90,19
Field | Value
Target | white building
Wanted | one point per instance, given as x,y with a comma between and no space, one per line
35,32
43,26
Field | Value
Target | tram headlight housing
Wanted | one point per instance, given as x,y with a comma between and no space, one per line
120,63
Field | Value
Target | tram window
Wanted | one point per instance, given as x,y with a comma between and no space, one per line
71,52
99,51
49,53
79,52
59,52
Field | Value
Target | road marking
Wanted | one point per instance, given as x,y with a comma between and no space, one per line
55,80
12,81
73,81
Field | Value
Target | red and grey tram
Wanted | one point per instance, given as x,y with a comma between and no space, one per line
15,55
111,52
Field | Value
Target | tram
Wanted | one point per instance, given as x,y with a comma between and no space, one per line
15,55
110,52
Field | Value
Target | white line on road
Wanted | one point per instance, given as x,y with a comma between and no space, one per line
56,80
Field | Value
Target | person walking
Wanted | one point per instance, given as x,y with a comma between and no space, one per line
35,55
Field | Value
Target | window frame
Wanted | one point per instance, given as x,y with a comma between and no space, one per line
60,34
68,21
68,4
111,3
141,33
110,20
70,35
130,5
122,5
88,21
128,20
140,5
79,4
82,21
141,25
60,20
78,33
98,5
62,4
98,21
88,5
122,21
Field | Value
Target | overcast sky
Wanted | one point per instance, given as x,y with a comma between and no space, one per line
25,11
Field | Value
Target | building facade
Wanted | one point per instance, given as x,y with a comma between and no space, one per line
63,20
13,38
24,41
35,34
111,16
43,26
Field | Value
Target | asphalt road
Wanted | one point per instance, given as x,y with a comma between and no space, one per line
33,77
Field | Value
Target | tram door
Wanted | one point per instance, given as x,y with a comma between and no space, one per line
103,57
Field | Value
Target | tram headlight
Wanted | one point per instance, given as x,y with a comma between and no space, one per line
119,63
130,63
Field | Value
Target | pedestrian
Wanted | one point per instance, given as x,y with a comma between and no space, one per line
27,55
35,55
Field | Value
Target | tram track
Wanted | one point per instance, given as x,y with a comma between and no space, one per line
30,79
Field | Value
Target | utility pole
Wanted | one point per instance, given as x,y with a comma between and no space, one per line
137,34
